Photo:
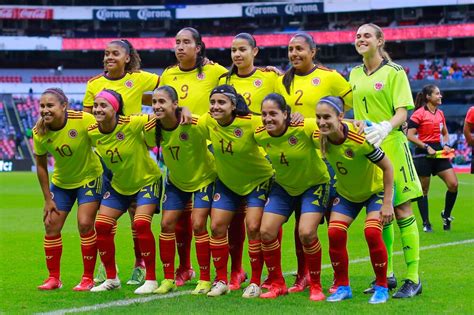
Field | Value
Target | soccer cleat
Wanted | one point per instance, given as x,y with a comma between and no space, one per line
138,276
391,284
300,284
333,288
408,289
380,295
183,276
86,284
236,279
446,221
166,286
427,228
202,287
107,285
275,291
316,293
218,288
51,283
267,283
252,291
147,288
343,292
100,275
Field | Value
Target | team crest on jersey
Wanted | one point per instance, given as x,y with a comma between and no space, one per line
217,197
257,83
336,201
129,84
349,153
316,81
72,133
183,136
201,76
106,195
378,86
120,136
292,140
238,132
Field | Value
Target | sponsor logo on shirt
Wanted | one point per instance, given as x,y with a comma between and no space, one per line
238,132
72,133
316,81
120,136
257,83
292,140
378,86
129,84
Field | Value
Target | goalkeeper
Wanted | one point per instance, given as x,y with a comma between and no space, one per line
429,123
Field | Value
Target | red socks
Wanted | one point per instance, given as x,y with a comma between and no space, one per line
256,260
337,232
300,258
378,251
313,259
105,227
184,236
220,255
272,256
142,224
236,239
53,248
167,253
203,255
89,253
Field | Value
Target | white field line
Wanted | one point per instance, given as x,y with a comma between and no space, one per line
179,293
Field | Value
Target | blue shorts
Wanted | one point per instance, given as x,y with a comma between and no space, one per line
146,196
90,192
176,199
313,200
226,199
352,209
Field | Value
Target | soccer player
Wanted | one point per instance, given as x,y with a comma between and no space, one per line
468,129
136,177
243,177
360,183
193,77
191,175
302,181
253,83
77,176
382,95
302,86
429,124
122,74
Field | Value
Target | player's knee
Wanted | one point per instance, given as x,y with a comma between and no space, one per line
51,229
85,226
452,186
307,235
199,225
168,226
218,230
267,234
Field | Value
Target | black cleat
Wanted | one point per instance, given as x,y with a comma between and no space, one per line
427,228
391,284
446,221
408,289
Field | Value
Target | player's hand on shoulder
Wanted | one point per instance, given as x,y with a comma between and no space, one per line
186,116
274,69
296,118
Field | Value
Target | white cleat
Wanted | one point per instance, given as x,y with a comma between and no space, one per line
218,288
107,285
147,288
252,291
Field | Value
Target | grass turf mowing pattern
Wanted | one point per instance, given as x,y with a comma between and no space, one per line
445,272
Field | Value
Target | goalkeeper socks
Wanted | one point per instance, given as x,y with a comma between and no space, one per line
423,207
411,246
337,232
89,253
378,252
53,248
449,203
388,235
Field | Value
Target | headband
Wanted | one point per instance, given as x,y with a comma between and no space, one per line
227,91
334,105
123,44
61,96
109,97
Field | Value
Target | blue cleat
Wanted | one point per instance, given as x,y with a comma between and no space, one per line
380,295
343,292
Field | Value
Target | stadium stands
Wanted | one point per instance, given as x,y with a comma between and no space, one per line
60,79
7,136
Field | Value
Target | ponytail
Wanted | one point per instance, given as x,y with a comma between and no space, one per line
379,35
134,64
421,96
241,107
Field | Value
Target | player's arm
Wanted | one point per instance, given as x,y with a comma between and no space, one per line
445,134
146,99
43,178
413,131
378,157
467,133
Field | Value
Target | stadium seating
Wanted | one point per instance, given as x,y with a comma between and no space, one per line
7,136
10,79
60,79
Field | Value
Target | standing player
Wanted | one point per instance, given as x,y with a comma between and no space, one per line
253,84
302,86
359,184
191,175
468,129
243,178
382,95
302,182
429,123
77,176
136,177
123,75
193,77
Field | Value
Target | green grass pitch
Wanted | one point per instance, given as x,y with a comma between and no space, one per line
445,265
